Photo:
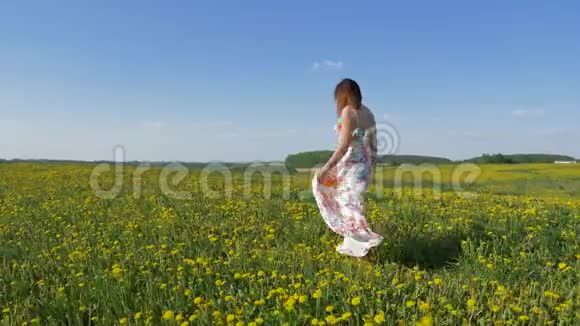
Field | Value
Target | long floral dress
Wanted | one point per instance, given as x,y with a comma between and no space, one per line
341,202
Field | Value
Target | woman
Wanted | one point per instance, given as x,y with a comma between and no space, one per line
339,186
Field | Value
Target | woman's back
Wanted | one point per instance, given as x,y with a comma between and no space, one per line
363,118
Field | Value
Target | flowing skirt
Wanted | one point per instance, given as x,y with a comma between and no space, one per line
340,200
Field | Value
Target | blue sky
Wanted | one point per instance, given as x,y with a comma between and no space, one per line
253,80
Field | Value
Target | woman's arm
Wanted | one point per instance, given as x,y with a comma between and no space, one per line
345,140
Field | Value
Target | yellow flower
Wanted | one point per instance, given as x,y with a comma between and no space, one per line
116,271
379,319
563,267
302,299
426,321
197,300
185,323
355,301
329,308
424,306
438,281
500,289
524,318
137,315
187,292
317,294
410,304
230,318
179,317
123,321
471,303
168,315
331,320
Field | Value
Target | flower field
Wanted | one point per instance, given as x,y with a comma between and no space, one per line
147,258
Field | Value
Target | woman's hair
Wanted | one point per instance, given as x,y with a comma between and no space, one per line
347,93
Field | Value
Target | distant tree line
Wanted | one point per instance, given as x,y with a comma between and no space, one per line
519,158
306,160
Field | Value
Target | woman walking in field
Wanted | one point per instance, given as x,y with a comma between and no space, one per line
339,186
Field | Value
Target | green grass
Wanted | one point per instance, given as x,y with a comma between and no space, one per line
68,257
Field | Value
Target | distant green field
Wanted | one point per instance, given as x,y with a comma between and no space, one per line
545,180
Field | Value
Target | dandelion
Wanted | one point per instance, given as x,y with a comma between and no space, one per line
424,306
500,290
331,320
317,294
471,304
563,267
116,271
410,304
355,301
516,309
425,321
123,321
168,315
379,319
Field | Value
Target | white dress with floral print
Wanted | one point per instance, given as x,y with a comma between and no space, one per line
341,206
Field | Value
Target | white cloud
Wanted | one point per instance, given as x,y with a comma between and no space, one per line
528,113
327,65
152,124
